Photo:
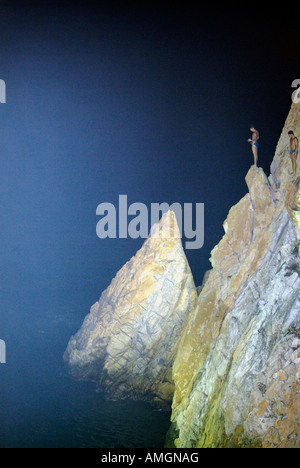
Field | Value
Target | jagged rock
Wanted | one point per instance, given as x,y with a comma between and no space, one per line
128,342
236,370
274,414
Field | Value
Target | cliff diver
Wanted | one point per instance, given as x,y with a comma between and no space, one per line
293,150
254,144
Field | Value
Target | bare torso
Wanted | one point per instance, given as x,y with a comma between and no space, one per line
293,143
255,136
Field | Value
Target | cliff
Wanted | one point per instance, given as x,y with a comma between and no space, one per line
230,357
237,367
127,344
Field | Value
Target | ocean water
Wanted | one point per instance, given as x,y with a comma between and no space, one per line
41,406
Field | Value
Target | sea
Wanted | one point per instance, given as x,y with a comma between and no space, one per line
41,406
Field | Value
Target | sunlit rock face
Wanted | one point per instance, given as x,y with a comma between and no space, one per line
237,368
128,342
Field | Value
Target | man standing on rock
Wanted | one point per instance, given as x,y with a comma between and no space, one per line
293,150
254,143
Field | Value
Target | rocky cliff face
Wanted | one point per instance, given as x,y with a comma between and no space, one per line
237,367
230,357
127,344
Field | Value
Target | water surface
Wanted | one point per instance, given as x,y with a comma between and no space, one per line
43,407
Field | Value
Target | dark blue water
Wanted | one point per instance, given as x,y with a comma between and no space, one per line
42,406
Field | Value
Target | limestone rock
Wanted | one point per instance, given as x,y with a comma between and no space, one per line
128,342
274,412
237,367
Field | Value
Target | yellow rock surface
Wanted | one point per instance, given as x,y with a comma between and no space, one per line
249,303
128,342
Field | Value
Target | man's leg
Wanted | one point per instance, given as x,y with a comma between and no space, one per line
255,154
294,163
